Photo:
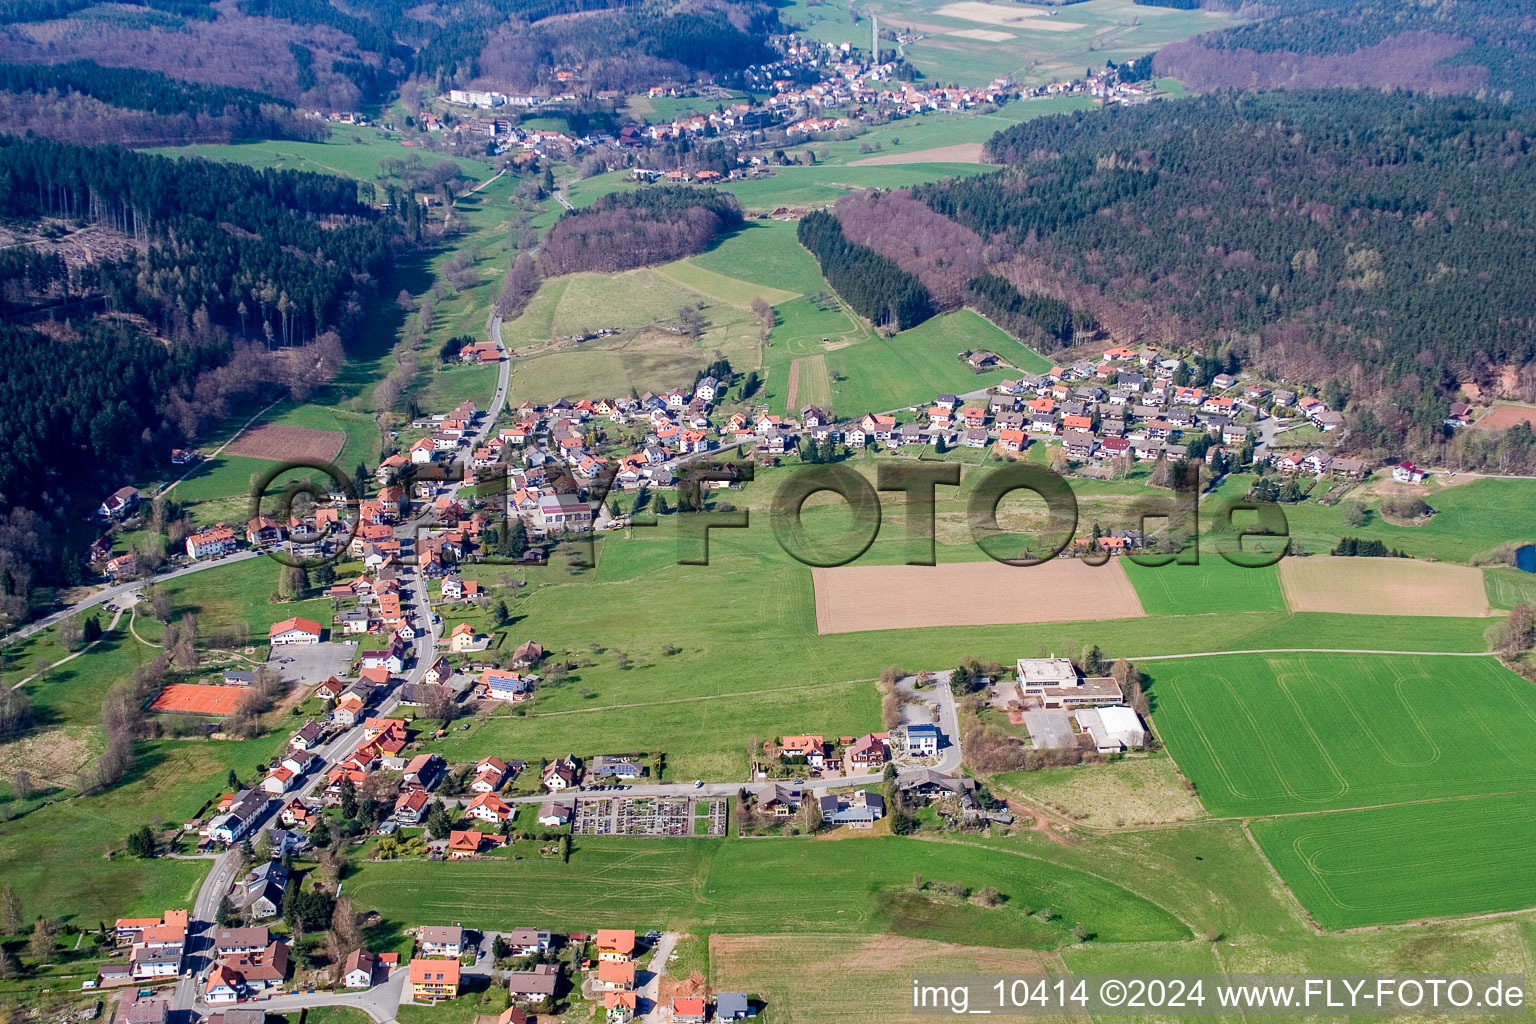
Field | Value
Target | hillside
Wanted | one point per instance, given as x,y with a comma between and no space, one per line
1441,47
1386,233
316,55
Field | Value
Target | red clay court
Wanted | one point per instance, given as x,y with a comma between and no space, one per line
195,699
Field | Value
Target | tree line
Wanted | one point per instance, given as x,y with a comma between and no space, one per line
277,250
871,283
1024,315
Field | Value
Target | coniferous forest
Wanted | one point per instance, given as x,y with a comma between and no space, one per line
222,270
1481,47
873,284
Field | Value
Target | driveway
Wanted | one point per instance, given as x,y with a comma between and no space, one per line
939,708
650,991
1049,729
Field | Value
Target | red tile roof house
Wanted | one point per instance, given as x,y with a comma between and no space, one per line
688,1010
615,943
615,976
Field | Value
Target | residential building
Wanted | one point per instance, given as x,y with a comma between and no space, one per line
532,985
359,970
922,740
220,540
432,980
440,940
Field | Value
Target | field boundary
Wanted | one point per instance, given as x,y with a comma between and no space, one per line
1311,650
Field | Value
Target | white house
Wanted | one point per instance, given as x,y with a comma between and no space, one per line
922,740
294,631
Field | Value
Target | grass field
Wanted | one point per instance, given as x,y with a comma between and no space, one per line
1408,862
219,488
238,593
1135,791
730,290
1213,586
1470,518
913,366
765,252
352,151
809,384
643,357
1508,586
857,886
913,135
1273,734
804,979
820,185
756,603
170,782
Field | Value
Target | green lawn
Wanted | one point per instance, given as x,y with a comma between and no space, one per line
218,489
765,252
911,135
739,886
239,592
1268,734
1508,586
644,356
823,184
1403,863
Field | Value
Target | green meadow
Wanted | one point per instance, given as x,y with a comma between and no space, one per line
1469,519
911,367
352,151
739,885
1404,863
1271,734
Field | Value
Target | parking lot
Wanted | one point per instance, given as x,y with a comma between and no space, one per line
309,664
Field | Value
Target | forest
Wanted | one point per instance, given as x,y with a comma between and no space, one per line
1351,237
231,282
277,252
624,230
629,48
872,284
1436,46
81,101
317,54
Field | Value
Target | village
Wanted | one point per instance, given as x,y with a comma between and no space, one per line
850,92
362,774
438,505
